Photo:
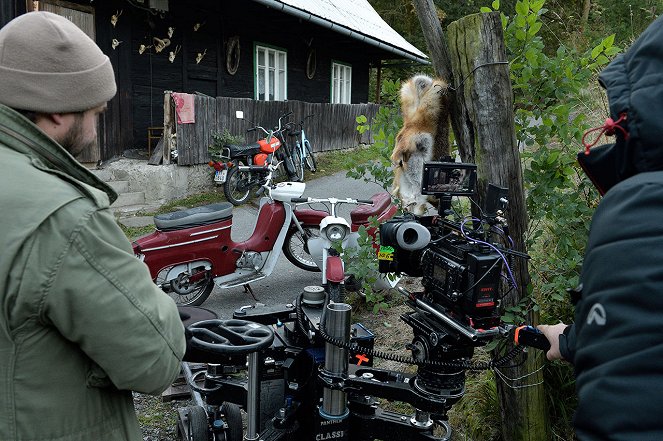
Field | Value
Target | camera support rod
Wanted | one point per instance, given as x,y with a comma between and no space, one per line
337,326
470,333
253,398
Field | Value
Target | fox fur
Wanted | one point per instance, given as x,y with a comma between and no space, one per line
423,137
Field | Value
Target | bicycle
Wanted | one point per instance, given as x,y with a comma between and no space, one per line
302,151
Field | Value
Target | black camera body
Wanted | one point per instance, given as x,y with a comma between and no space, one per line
465,279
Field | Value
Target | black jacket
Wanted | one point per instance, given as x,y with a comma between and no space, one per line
616,343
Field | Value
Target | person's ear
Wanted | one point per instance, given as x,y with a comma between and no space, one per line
53,124
55,118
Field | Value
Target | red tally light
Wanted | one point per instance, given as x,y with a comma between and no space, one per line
485,304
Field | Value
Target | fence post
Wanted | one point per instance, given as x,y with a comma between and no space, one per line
483,84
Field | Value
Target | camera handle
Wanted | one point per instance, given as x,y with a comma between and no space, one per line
444,204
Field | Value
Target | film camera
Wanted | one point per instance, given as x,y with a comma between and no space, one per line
458,261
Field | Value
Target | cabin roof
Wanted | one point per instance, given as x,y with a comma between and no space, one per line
355,18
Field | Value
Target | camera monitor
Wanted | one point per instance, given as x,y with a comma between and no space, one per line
449,178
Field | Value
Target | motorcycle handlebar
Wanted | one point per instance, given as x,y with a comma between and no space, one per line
332,200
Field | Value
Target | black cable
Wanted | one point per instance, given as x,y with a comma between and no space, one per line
300,318
468,365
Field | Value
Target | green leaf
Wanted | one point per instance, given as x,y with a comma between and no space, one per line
485,9
535,28
597,50
536,5
496,5
521,21
522,8
521,35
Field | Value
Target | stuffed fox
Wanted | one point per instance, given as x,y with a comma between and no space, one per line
424,106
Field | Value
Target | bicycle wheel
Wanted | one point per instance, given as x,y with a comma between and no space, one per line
310,158
237,187
295,247
297,162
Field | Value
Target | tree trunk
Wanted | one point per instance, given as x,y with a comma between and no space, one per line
439,54
587,4
485,96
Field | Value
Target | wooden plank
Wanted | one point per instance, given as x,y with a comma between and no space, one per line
157,154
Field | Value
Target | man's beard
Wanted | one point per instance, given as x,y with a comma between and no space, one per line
74,140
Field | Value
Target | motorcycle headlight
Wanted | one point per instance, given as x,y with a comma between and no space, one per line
336,233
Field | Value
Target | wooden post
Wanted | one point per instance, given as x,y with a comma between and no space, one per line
438,48
168,125
478,57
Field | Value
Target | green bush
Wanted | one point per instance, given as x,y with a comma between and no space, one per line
219,139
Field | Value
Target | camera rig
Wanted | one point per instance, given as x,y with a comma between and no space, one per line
303,371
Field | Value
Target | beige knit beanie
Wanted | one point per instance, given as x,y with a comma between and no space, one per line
49,65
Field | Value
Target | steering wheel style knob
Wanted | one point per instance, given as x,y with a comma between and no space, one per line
228,337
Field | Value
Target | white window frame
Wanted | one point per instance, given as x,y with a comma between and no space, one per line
279,72
341,83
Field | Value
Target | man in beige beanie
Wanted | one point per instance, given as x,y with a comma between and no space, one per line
81,323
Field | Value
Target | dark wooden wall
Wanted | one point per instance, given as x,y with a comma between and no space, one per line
142,78
333,126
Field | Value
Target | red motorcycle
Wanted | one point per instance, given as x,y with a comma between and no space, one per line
238,183
192,250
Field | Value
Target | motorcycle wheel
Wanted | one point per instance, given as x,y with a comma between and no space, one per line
237,187
295,248
234,421
185,292
310,158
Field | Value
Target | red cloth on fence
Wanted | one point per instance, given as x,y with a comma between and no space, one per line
184,108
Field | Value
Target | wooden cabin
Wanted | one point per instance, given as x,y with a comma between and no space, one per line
317,51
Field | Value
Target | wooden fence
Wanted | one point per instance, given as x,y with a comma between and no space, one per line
333,127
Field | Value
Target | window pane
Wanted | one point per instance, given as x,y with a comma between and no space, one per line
282,95
261,83
271,85
271,74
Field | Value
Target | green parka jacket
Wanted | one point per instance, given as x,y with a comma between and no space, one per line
81,323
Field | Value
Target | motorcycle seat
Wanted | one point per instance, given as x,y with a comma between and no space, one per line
381,202
243,150
193,217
